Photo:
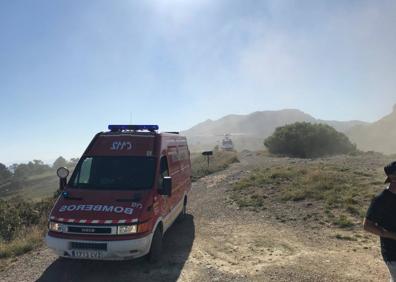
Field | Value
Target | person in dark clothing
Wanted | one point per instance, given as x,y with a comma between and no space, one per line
381,219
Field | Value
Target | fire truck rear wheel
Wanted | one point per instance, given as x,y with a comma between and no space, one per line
156,247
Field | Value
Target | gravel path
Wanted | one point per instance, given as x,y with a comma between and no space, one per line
219,242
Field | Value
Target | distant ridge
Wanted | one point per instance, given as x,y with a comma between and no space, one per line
378,136
249,131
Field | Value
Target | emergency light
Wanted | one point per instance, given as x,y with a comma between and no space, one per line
119,127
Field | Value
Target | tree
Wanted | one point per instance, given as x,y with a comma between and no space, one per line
5,174
38,167
13,167
73,162
59,162
21,171
306,140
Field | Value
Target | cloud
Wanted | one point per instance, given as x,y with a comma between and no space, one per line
318,58
174,15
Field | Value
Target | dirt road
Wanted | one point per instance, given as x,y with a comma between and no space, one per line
220,242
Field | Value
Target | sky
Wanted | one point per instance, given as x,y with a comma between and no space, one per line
70,68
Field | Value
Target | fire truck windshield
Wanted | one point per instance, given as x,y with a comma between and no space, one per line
114,173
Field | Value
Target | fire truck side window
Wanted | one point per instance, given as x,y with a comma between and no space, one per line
164,167
85,171
164,171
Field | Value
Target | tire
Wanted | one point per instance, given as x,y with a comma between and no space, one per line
156,247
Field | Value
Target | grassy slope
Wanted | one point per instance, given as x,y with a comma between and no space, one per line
340,187
32,188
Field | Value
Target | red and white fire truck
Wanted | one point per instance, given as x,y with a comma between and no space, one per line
128,188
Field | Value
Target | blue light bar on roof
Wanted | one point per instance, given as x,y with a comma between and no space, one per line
119,127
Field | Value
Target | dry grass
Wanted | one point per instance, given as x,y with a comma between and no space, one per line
219,161
342,186
27,241
22,227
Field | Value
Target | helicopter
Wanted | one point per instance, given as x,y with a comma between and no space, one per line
226,143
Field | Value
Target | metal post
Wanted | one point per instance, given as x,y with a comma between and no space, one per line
207,154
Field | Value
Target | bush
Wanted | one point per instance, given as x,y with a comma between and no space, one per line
5,174
17,215
306,140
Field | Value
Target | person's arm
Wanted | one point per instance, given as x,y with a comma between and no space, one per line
374,228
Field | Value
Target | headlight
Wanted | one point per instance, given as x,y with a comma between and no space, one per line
126,229
56,227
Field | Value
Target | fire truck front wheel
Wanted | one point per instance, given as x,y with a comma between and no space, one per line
156,247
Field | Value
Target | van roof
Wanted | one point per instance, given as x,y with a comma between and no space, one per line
118,141
135,129
127,133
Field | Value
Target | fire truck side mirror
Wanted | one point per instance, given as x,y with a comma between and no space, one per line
62,173
166,186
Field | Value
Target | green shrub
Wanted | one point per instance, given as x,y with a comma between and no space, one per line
306,140
17,215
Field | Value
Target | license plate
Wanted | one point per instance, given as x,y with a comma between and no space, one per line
87,254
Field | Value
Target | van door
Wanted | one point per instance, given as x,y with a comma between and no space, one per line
178,174
164,171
